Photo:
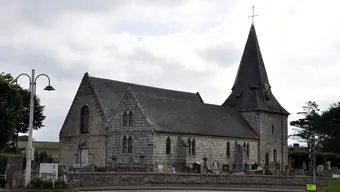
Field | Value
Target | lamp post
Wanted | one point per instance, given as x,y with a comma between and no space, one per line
311,143
29,149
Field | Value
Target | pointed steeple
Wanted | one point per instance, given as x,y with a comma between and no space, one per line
251,90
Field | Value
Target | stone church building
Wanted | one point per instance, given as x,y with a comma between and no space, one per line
134,127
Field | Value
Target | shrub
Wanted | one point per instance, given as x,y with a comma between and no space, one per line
46,184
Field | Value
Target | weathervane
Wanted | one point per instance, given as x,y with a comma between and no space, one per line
252,16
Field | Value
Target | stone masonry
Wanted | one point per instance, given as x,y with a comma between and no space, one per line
71,140
273,132
141,133
181,179
152,146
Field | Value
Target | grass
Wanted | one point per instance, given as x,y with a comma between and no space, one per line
333,186
40,146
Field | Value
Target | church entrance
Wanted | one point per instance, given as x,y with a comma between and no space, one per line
84,157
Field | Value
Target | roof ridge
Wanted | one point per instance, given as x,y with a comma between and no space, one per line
143,85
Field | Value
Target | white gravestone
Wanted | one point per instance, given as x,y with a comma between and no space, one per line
48,171
329,165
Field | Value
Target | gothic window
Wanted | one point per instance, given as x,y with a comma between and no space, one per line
130,118
84,119
189,145
244,145
273,130
168,146
275,155
228,149
125,119
193,151
124,144
130,144
247,149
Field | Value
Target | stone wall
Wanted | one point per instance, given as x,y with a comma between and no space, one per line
273,131
141,133
140,179
213,148
70,137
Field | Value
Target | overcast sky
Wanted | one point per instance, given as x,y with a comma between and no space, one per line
192,45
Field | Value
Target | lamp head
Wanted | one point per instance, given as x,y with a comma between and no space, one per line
49,88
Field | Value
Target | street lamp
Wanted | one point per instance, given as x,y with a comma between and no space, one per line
29,149
311,142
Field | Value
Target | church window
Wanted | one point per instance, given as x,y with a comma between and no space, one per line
125,119
124,144
275,155
84,119
130,144
244,145
247,149
189,145
193,147
273,130
130,118
168,146
228,149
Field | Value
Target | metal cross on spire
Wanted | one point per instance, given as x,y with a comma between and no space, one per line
253,15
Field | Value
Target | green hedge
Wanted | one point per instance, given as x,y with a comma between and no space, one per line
300,156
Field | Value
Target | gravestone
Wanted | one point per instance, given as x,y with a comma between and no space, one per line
215,166
319,169
254,166
304,165
329,165
131,163
334,170
114,163
275,172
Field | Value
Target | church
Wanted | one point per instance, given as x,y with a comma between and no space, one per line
131,127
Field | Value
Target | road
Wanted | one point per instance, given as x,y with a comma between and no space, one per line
184,191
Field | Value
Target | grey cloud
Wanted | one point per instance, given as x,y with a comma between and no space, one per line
170,74
223,54
44,59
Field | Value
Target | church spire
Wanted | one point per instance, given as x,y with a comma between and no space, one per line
251,90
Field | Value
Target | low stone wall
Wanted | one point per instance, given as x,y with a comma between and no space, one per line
141,179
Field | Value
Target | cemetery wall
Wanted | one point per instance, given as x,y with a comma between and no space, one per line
139,179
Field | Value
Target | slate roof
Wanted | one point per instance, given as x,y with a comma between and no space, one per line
110,93
251,90
184,117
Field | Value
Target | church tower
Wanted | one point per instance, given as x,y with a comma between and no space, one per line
252,96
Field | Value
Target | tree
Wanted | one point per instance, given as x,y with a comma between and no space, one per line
14,110
10,104
307,125
329,129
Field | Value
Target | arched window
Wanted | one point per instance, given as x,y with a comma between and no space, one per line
125,118
247,149
124,144
168,146
274,155
273,130
130,118
189,145
84,119
244,145
193,147
228,149
130,144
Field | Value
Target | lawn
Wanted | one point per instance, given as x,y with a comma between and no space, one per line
333,186
41,146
